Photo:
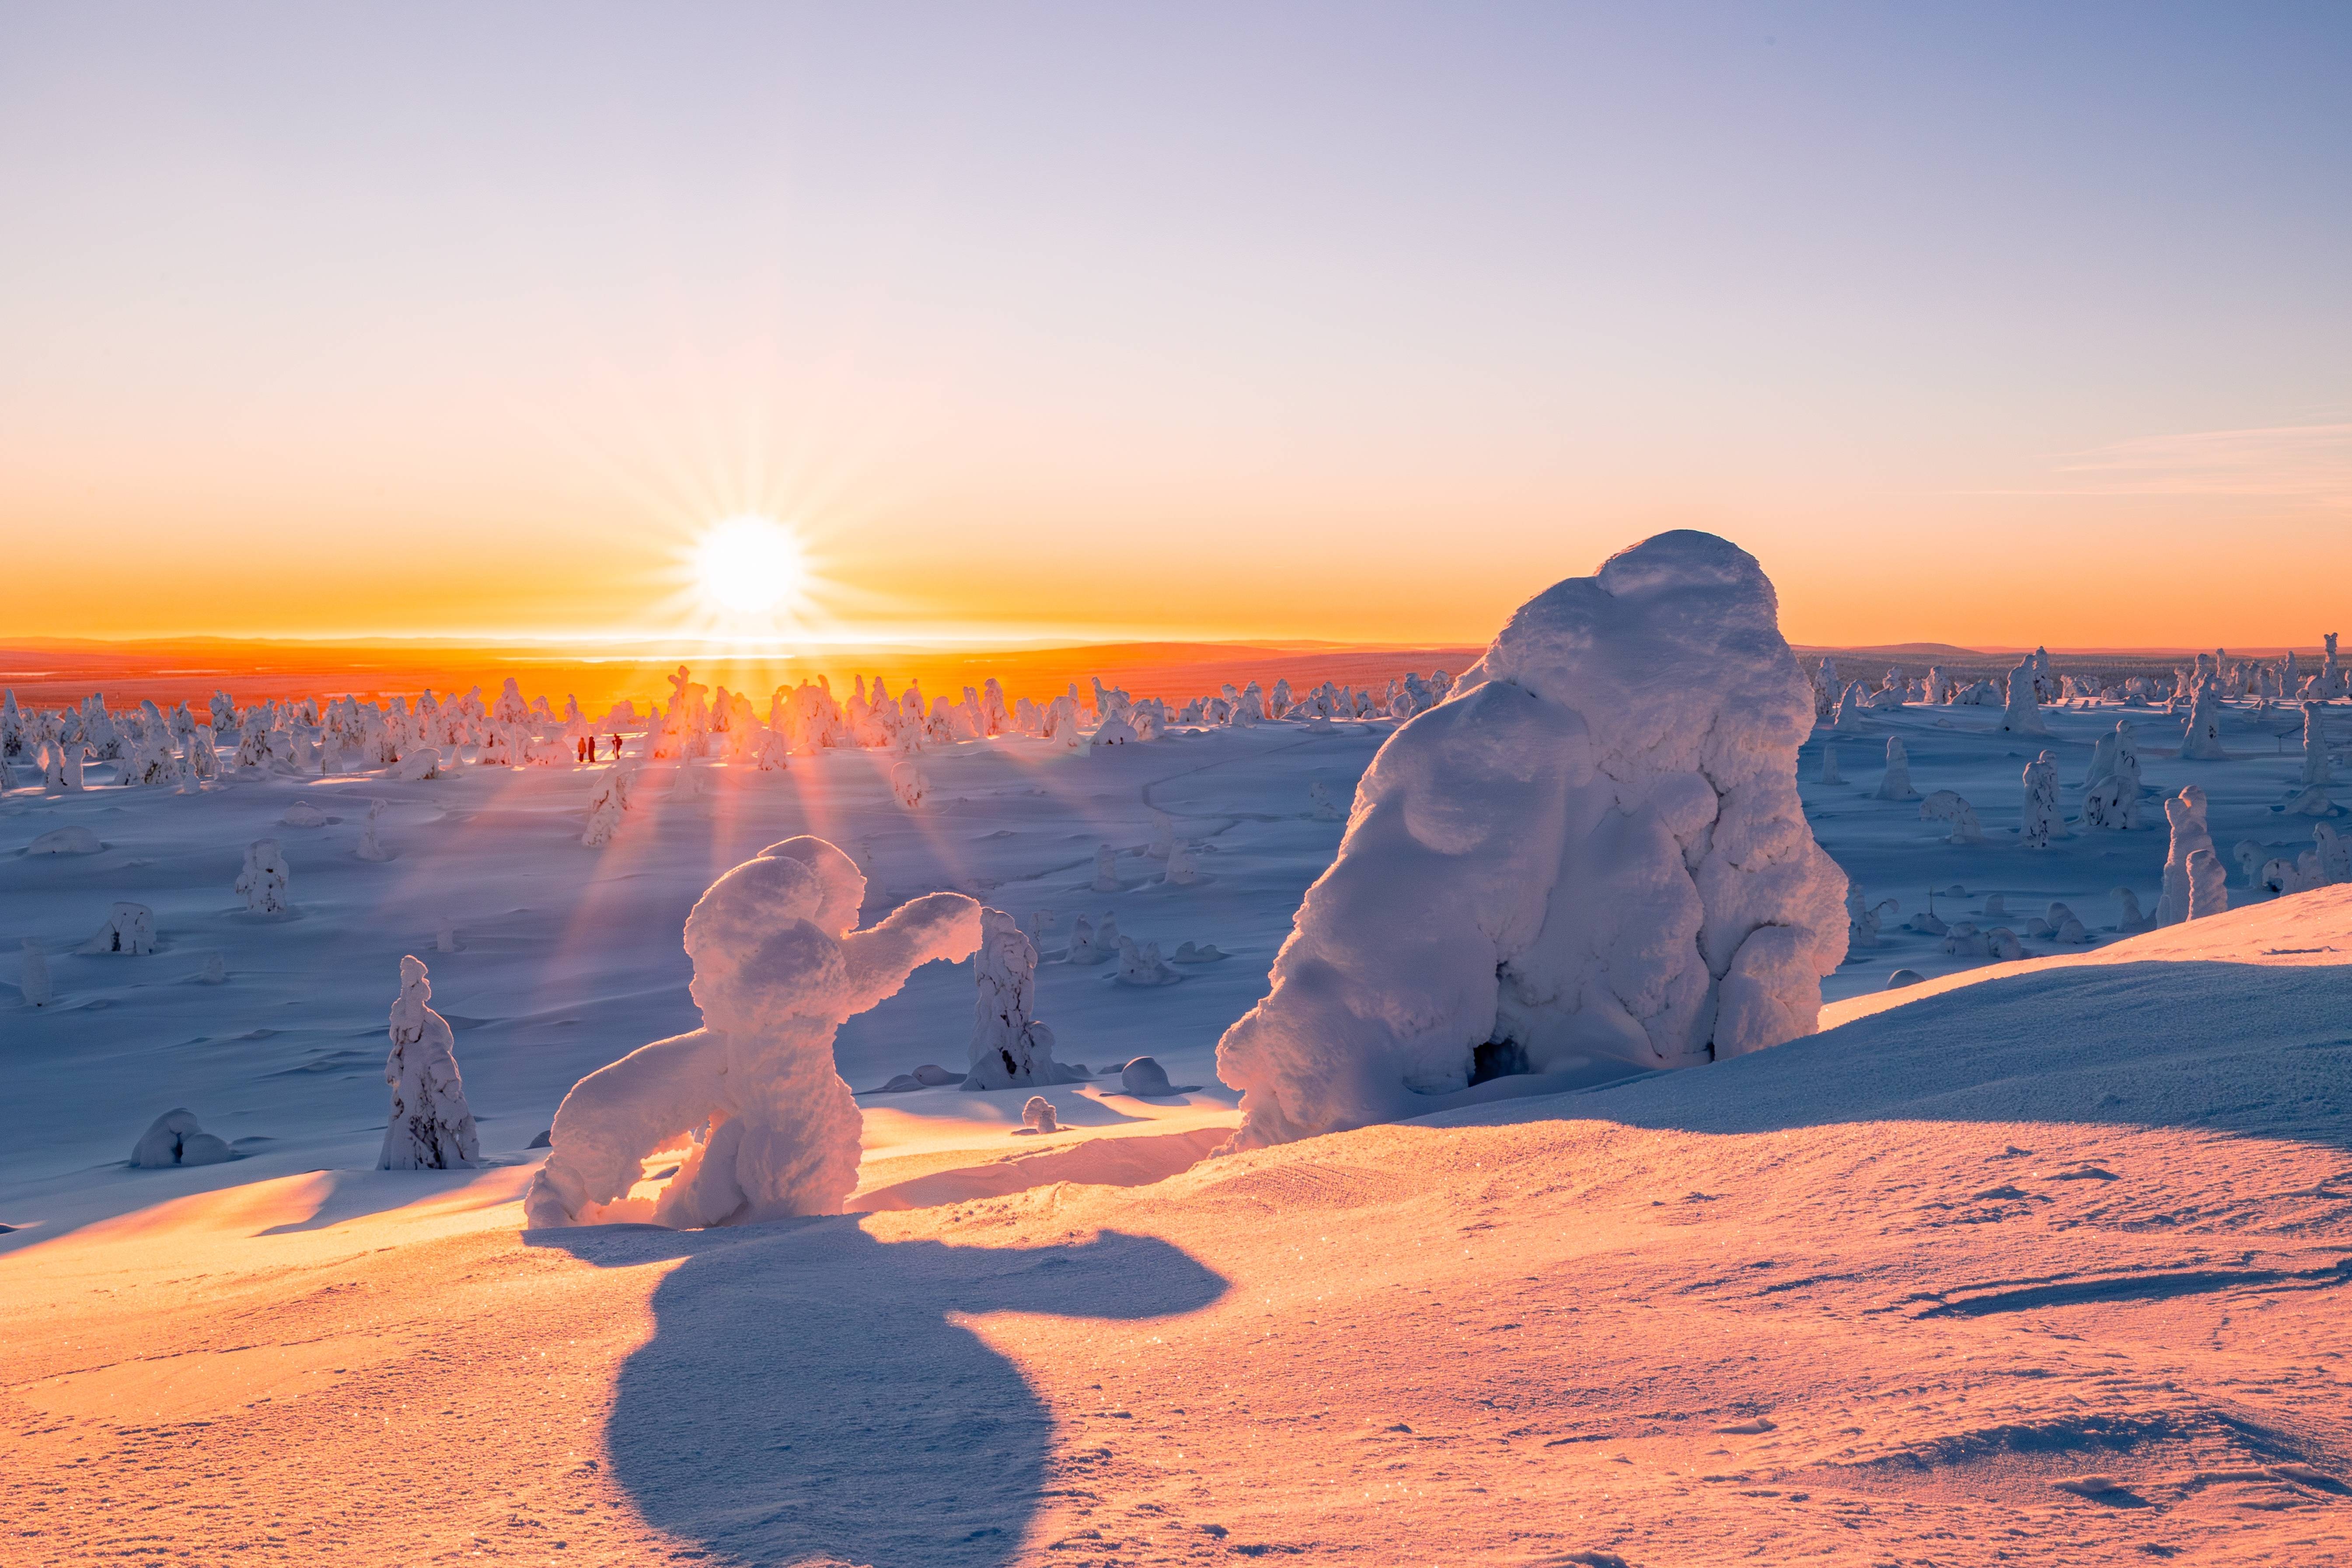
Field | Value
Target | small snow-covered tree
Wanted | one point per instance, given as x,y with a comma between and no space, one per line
2201,741
2316,770
2040,817
607,799
778,965
371,846
1010,1045
175,1139
1037,1116
1106,869
429,1127
1830,774
1895,783
1320,804
1181,873
2024,714
908,782
1140,964
1851,708
2186,815
130,929
2208,892
265,879
1947,805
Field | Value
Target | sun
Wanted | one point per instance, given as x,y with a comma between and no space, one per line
748,565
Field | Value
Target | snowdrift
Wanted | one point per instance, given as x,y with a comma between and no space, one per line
2234,1023
1589,859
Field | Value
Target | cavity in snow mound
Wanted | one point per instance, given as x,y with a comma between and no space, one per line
1591,856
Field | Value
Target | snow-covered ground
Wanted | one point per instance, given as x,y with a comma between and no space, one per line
2045,1260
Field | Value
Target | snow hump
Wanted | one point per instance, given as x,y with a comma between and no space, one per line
1590,859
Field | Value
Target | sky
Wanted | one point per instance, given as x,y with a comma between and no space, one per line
1986,324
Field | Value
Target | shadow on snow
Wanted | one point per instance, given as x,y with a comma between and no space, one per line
806,1396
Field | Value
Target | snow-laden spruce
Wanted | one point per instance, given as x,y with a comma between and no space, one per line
2041,811
2186,815
430,1126
1895,783
265,879
767,1127
1009,1044
1591,856
33,979
2024,714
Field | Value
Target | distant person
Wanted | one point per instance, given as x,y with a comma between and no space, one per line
580,751
590,743
616,748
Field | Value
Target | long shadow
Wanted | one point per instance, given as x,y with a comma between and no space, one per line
805,1397
2247,1048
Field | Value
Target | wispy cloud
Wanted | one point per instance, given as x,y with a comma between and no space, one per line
2310,463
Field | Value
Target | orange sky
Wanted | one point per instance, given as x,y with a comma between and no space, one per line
2029,329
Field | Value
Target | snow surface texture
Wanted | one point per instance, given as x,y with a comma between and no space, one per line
1589,857
779,964
428,1126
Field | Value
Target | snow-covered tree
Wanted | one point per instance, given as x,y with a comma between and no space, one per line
1037,1116
2186,815
1010,1045
778,967
2316,770
1830,774
1593,849
1947,805
2024,714
1895,783
371,846
130,929
2201,741
265,879
1320,804
908,782
1851,708
2208,892
607,799
175,1139
1181,872
1140,964
2041,814
430,1126
1106,869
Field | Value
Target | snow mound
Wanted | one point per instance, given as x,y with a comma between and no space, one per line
1590,854
128,929
65,841
2232,1023
302,814
767,1126
175,1139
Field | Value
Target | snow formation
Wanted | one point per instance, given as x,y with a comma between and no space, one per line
1895,783
175,1139
430,1126
264,880
1591,854
1009,1045
769,1127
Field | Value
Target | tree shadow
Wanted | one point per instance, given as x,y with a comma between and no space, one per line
805,1395
2254,1050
